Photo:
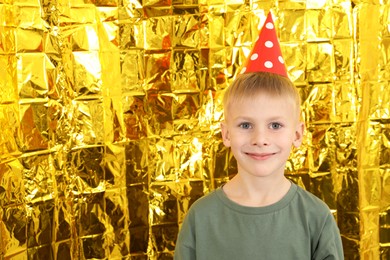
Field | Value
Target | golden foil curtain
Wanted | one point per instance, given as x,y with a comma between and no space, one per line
110,110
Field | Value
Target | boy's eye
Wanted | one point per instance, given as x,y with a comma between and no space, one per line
275,125
245,125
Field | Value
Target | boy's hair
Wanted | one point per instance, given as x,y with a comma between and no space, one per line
249,85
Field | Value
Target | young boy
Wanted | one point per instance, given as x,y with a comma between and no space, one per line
259,213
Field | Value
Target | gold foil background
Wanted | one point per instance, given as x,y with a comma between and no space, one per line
110,110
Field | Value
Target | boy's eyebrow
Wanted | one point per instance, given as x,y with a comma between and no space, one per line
248,118
242,118
278,118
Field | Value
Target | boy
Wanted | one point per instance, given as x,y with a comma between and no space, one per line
259,213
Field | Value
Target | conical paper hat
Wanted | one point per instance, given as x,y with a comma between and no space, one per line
266,54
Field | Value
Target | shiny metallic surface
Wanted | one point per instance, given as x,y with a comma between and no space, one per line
110,112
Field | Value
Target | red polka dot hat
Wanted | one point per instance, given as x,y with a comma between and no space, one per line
266,54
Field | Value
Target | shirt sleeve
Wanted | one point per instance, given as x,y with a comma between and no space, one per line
329,245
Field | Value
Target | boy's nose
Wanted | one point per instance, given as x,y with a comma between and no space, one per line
260,138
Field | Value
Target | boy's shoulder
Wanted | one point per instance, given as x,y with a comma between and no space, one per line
311,202
207,200
210,202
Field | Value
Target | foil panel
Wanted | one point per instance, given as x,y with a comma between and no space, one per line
110,114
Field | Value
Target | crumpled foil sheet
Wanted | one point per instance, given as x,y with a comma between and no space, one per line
110,113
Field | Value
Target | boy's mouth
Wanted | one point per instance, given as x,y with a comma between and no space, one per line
260,156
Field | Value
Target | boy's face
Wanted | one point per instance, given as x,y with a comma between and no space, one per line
261,131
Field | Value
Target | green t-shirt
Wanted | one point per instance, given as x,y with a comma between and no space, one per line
300,226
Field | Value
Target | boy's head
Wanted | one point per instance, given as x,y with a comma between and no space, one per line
262,111
262,122
249,85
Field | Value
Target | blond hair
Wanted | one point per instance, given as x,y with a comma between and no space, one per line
248,85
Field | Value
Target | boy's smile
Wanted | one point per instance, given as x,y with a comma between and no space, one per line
261,132
260,156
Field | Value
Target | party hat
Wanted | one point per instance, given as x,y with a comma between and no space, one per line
266,54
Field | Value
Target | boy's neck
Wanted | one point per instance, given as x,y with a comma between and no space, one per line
256,193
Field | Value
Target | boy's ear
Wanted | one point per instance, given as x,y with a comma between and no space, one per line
299,134
225,134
